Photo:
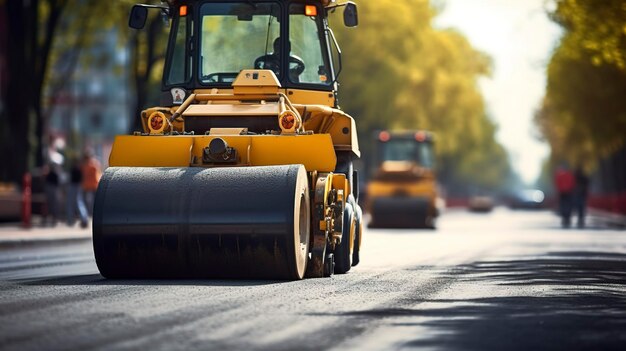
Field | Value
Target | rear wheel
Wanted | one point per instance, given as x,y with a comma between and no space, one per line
343,254
358,233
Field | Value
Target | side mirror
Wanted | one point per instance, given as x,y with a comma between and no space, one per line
350,15
138,16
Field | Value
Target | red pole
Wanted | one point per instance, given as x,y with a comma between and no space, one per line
26,199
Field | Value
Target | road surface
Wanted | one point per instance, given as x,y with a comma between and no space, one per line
499,281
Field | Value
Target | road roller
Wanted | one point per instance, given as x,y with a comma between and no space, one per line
402,193
245,170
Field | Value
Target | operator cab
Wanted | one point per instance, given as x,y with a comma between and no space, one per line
211,42
408,147
272,62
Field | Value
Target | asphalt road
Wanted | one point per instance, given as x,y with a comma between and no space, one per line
499,281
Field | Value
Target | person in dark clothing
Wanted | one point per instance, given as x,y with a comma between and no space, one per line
580,195
565,183
52,194
74,201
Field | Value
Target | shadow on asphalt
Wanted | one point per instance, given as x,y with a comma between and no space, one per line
97,279
578,302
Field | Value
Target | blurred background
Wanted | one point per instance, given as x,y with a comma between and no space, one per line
510,89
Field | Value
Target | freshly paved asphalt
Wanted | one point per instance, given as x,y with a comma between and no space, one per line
499,281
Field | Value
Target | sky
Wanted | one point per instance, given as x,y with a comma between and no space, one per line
520,38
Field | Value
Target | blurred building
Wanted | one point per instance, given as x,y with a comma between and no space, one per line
93,105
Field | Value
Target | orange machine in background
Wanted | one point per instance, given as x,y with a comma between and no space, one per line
403,189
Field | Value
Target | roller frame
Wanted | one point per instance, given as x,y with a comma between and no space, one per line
327,223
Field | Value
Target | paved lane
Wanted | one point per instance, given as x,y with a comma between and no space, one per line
505,280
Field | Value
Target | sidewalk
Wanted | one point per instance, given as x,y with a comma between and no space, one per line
13,233
614,220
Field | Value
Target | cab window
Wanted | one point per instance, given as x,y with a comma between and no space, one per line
305,37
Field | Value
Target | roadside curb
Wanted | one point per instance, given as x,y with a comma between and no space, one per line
610,219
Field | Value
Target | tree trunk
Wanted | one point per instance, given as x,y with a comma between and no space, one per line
150,57
26,60
15,139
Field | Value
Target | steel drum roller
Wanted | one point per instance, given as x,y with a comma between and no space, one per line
229,222
400,211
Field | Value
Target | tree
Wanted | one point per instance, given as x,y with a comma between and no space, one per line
146,47
147,57
31,30
53,33
583,115
401,73
595,29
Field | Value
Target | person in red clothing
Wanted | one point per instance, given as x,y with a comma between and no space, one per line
565,183
91,171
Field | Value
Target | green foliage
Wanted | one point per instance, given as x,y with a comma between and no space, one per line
81,30
401,73
583,115
595,29
77,30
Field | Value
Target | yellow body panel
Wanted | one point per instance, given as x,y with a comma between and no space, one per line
419,188
326,120
314,107
235,110
254,81
296,96
315,152
311,97
151,151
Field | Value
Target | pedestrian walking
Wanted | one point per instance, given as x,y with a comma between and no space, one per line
565,182
581,189
91,173
75,203
51,188
53,178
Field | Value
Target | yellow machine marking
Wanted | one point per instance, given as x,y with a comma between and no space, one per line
424,187
311,97
296,96
315,152
150,151
232,110
255,81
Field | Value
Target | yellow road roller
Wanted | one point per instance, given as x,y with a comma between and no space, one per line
246,168
403,189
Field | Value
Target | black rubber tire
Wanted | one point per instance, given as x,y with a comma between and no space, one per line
431,223
235,222
329,265
343,256
358,228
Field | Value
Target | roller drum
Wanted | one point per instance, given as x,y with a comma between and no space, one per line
400,212
232,222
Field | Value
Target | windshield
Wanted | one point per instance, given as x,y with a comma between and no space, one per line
233,36
245,35
408,150
305,37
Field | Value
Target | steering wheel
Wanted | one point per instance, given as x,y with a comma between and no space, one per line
296,65
272,62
